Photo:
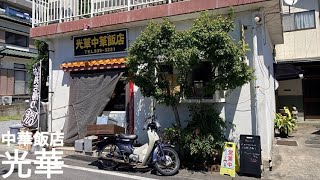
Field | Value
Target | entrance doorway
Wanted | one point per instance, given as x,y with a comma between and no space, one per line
311,98
311,91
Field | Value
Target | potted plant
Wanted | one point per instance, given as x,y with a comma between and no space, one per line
284,124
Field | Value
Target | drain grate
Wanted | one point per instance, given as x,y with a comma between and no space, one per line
287,143
313,145
313,140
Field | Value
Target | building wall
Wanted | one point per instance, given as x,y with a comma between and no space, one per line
238,111
302,43
3,37
290,93
7,73
7,62
14,27
265,91
298,45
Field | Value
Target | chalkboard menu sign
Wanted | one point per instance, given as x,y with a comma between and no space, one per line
250,155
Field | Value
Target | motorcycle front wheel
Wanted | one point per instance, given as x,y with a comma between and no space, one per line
107,152
170,165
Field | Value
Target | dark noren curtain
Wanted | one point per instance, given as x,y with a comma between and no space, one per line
89,94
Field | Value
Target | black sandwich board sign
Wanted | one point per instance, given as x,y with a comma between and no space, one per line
250,155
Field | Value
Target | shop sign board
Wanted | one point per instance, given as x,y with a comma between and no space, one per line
102,43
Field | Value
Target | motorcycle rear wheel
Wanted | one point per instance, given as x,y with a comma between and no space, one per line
171,165
107,151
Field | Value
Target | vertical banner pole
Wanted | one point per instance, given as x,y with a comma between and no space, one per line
39,104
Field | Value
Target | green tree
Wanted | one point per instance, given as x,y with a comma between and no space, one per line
210,34
43,54
161,49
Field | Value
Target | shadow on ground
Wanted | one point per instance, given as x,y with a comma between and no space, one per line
317,132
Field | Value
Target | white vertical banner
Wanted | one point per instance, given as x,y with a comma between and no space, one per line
32,113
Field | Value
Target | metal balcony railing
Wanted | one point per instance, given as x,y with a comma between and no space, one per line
45,12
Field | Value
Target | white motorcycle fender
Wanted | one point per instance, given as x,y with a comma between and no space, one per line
141,151
145,150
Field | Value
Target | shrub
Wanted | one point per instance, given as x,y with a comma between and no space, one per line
204,135
203,138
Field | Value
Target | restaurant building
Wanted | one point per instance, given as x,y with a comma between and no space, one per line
88,45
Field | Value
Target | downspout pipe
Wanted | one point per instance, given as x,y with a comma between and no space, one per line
50,89
255,130
256,124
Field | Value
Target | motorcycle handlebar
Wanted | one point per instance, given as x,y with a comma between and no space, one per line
150,117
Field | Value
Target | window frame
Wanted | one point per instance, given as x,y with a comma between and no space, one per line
16,34
216,97
22,69
294,14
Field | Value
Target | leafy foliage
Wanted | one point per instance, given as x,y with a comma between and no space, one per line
204,135
43,53
285,124
158,45
203,138
162,45
210,36
172,134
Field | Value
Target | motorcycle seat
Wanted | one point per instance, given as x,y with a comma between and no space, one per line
128,136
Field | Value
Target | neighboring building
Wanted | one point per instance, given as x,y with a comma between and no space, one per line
79,41
16,49
300,54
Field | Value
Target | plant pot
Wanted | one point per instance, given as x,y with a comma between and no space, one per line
283,134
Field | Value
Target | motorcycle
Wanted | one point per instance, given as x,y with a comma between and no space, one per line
116,150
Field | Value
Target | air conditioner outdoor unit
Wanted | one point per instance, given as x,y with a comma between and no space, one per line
4,100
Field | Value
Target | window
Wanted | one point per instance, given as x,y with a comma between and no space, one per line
200,78
17,39
20,79
299,21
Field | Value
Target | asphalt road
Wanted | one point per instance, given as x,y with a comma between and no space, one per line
78,168
84,168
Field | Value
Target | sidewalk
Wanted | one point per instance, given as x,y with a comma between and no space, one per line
300,160
183,173
5,148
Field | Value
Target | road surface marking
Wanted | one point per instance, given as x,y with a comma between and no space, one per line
98,171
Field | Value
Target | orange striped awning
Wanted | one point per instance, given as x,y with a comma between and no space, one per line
94,64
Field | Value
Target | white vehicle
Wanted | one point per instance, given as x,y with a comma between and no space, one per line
117,150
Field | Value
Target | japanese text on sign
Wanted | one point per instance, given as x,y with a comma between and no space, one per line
47,162
101,43
228,159
30,116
